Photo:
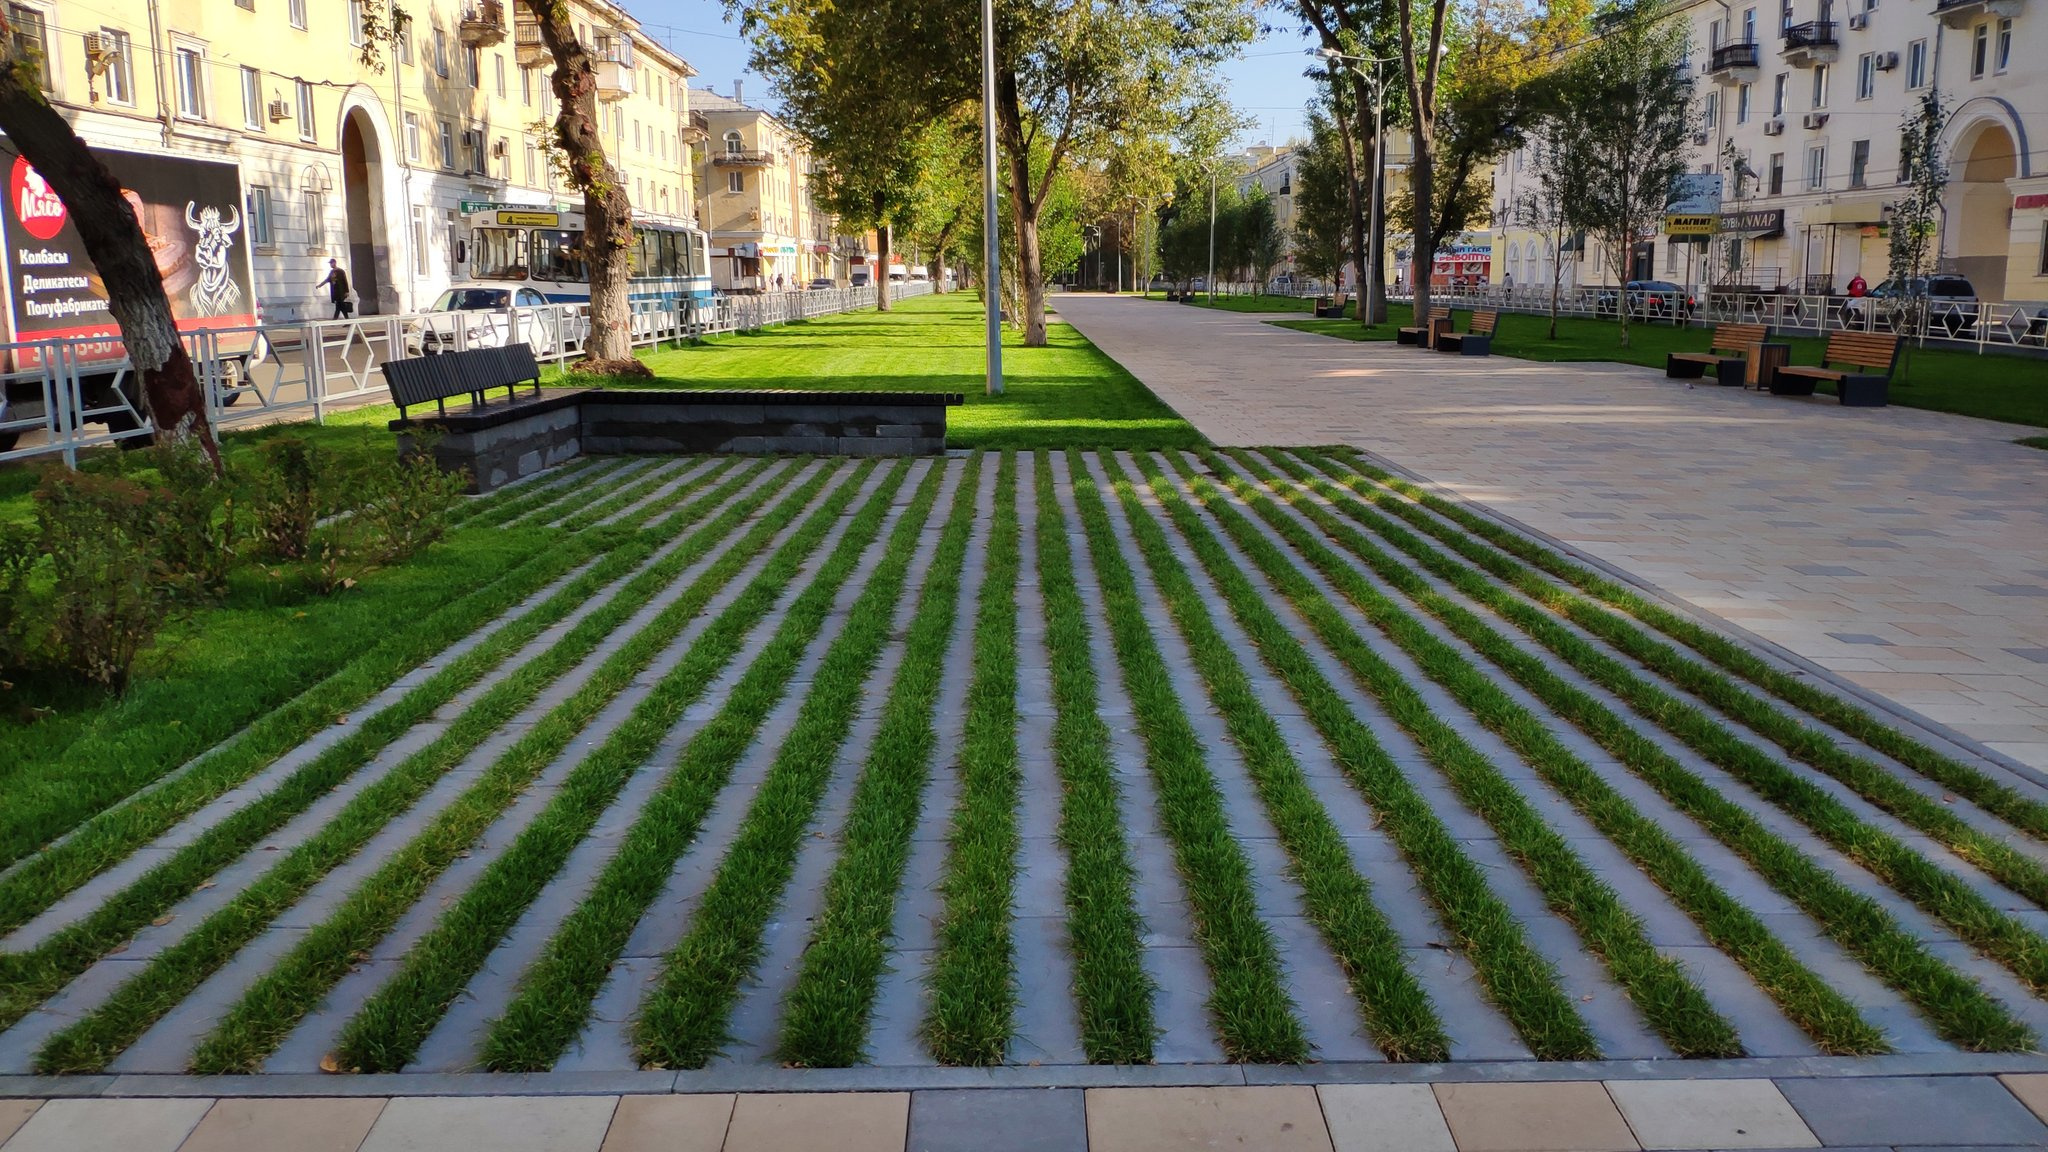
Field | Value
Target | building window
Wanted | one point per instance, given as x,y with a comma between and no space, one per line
260,228
447,144
526,87
1817,168
1713,116
1749,25
405,40
1820,86
31,38
732,144
252,99
1778,85
498,63
2002,50
532,165
1980,50
441,53
120,67
1777,185
307,131
189,65
412,136
1784,16
636,136
479,163
1916,64
1859,163
1866,75
473,66
296,9
355,22
735,181
316,221
454,226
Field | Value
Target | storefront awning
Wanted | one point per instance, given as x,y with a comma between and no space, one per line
1847,213
1755,224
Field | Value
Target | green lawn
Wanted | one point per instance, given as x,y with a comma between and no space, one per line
1067,394
1992,386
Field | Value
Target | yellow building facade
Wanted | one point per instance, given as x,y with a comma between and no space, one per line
755,184
354,148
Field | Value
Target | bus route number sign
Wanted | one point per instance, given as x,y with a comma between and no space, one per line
530,219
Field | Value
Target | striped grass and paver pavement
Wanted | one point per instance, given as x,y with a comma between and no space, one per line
1218,761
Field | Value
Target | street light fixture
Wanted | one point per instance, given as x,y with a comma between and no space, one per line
1370,289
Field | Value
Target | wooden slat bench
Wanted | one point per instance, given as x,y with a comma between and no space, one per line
1476,340
472,373
1876,352
1730,355
1422,336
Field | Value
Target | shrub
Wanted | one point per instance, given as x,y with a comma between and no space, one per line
194,519
406,503
285,499
108,591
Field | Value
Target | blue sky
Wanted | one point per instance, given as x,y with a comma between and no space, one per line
1266,84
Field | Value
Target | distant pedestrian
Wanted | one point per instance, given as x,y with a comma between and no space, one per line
778,281
1857,285
337,290
1507,279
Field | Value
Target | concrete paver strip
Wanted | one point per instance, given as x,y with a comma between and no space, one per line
670,1123
1384,1118
844,1122
2032,1091
1569,1116
15,1113
1276,1119
1710,1114
1907,1110
1589,453
109,1126
497,1123
320,1125
999,1120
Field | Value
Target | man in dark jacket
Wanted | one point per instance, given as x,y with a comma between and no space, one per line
337,290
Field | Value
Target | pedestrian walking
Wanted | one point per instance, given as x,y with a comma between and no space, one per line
336,284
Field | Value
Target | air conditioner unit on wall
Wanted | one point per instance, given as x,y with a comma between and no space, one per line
1699,139
1885,61
1774,127
1859,21
280,111
1815,119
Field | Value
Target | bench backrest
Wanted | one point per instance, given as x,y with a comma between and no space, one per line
1483,323
1863,350
438,379
1739,337
1436,314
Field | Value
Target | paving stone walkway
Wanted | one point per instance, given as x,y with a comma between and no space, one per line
1867,1114
1903,550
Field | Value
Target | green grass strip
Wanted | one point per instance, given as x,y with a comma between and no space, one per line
1965,780
555,995
493,503
396,1020
581,481
1670,1002
583,497
1396,1010
683,1023
1960,1010
1249,1004
655,478
1519,980
102,1034
825,1017
28,978
972,979
1111,990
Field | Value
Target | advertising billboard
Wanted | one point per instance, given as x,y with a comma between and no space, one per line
191,215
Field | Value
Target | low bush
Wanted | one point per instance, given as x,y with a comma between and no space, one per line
284,494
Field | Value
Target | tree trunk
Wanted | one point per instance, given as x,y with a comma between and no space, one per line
171,393
882,238
1556,279
1025,205
1620,251
1422,251
1353,203
938,268
607,211
1030,280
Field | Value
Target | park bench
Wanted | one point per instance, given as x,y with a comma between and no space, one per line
1875,352
1330,307
471,373
1476,340
1439,318
1729,354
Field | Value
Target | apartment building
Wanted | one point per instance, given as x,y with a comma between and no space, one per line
1275,170
1800,108
766,230
354,148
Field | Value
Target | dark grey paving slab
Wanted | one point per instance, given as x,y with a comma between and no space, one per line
998,1120
1947,1110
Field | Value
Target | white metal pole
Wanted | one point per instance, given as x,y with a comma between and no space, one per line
1212,234
992,274
1371,294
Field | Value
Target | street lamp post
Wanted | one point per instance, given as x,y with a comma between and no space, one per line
1212,232
1369,291
991,243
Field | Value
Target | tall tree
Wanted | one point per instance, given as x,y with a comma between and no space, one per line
1360,28
607,211
107,226
1556,206
1912,231
1324,207
1422,54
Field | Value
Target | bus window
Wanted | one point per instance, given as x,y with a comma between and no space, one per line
558,256
643,252
500,254
668,255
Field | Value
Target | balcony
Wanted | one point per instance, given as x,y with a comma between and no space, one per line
1963,13
613,55
1732,64
1813,42
742,158
527,45
483,24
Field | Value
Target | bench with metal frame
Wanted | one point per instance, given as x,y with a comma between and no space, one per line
1476,340
1439,318
472,373
1852,350
1729,354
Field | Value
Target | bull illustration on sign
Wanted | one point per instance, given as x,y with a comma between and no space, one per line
215,293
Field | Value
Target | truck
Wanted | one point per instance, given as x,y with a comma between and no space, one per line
191,214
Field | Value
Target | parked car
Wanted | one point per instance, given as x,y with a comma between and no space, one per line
1952,303
490,318
858,279
1648,300
822,283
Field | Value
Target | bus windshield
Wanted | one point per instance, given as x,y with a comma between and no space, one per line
558,257
500,254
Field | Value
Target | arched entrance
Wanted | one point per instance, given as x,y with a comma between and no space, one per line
362,182
1980,214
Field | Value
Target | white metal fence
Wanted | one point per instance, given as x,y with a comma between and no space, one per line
68,395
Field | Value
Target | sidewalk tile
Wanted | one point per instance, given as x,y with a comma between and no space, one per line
1566,1116
2032,1091
104,1125
330,1125
492,1124
800,1121
999,1120
1717,1114
1384,1118
670,1123
1275,1119
1913,1110
15,1113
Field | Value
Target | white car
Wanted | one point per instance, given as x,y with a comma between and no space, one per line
488,316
